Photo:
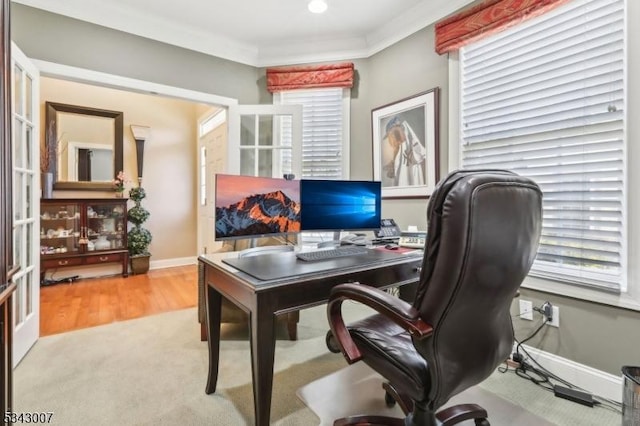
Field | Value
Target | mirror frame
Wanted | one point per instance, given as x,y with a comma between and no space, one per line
51,111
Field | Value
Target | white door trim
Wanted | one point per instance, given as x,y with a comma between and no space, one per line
82,75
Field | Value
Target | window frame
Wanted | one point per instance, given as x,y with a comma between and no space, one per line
631,298
313,238
346,126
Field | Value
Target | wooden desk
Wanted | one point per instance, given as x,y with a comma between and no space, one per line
264,299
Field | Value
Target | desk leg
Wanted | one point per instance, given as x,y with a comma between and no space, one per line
125,264
213,300
263,345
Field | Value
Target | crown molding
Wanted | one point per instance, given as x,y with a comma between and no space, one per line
128,20
413,20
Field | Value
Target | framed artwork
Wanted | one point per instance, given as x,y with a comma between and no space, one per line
406,137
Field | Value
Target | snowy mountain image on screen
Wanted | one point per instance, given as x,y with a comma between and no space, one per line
258,214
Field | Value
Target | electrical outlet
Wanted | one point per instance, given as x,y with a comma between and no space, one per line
526,310
555,322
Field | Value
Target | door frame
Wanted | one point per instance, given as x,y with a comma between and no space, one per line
82,75
206,211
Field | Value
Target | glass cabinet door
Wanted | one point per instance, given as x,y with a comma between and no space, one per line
105,226
60,229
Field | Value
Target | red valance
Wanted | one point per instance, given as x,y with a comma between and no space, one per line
485,19
306,77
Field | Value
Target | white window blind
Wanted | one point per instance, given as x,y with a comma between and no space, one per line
323,138
546,99
322,130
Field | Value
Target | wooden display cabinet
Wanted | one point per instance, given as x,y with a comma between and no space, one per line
80,232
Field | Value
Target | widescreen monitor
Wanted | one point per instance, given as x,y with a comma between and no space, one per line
252,207
339,205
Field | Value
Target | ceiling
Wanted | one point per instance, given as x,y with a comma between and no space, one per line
263,32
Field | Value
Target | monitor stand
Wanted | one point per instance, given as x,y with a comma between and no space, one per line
277,245
257,251
331,243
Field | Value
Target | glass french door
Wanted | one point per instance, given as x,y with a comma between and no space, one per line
265,140
26,206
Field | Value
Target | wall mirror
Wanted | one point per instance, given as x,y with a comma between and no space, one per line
84,146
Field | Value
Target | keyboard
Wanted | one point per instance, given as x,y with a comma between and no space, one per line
335,253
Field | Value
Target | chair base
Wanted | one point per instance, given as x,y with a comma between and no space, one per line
369,421
392,396
459,413
447,417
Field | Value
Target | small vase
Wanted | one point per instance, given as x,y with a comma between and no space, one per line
119,194
47,185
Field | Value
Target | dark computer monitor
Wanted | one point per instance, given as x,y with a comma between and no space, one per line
339,205
252,207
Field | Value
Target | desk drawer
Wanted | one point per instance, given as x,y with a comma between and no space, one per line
104,258
388,276
57,263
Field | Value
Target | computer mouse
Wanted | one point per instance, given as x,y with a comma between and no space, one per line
391,247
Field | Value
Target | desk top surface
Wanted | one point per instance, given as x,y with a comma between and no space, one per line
281,267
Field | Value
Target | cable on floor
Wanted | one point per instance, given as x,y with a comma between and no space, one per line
542,377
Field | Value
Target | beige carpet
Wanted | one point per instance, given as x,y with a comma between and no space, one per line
152,371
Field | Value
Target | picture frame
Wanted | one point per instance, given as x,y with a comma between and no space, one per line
406,139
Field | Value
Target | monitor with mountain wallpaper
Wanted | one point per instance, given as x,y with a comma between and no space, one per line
252,207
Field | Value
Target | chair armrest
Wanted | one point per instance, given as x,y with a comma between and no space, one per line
397,310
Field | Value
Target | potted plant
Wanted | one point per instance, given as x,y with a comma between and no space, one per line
138,238
118,184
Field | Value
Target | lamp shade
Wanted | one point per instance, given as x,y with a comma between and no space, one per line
140,132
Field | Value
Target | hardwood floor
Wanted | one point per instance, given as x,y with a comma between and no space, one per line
96,301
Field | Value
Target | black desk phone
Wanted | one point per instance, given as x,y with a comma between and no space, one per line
388,228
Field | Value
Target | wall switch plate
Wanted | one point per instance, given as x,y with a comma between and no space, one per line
526,310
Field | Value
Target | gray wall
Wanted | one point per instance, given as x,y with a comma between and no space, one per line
407,68
76,43
600,336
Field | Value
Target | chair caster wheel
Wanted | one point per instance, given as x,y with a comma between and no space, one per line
331,343
388,399
482,422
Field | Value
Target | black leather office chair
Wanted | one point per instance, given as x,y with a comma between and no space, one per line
483,232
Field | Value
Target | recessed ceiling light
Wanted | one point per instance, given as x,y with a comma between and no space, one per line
317,6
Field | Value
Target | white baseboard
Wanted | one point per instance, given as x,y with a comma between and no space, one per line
597,382
170,263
